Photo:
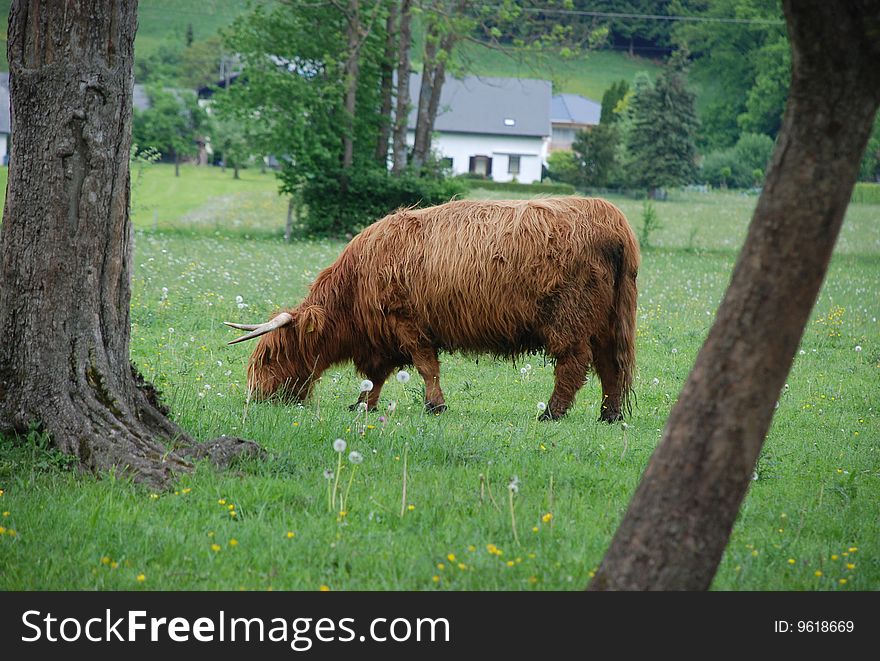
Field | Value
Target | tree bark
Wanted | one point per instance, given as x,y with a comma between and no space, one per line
387,84
351,73
424,127
176,164
66,246
679,521
401,112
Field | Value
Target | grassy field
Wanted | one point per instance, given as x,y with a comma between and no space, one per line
810,521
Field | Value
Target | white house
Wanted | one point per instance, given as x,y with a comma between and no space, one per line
5,124
569,114
495,127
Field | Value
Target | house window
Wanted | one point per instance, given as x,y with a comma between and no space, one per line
513,164
446,163
480,165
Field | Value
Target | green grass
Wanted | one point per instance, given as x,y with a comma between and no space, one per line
816,496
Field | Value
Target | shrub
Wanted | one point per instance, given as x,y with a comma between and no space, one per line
335,206
535,189
741,166
650,224
562,166
866,193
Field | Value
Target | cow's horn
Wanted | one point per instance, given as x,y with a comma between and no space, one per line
260,329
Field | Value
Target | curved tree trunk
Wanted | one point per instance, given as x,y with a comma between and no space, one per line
66,245
401,110
677,526
387,85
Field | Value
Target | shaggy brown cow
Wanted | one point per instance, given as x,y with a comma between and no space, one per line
498,277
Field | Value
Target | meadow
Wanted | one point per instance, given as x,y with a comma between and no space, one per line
810,520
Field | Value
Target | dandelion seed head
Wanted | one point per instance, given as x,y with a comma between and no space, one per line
403,377
366,385
328,474
339,445
542,406
355,457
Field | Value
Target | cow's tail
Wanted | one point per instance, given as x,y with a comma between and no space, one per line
623,316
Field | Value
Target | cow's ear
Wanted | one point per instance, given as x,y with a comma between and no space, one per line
311,319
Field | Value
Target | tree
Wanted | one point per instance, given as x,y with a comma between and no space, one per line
678,523
596,153
661,140
401,108
611,99
171,124
66,247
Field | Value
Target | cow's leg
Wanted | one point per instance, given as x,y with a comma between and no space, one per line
425,361
378,374
570,373
609,375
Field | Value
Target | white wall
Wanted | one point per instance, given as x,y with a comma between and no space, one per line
3,146
460,147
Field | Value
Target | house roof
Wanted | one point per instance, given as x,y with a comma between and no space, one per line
497,106
574,109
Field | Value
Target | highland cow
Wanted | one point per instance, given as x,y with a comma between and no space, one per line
499,277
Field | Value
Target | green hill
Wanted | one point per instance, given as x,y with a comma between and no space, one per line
166,21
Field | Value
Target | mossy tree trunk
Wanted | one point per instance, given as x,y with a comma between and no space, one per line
66,246
679,521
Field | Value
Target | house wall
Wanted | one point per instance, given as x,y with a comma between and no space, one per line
460,147
4,145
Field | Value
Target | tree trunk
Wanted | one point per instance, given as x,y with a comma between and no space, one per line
235,171
352,70
422,142
66,245
678,523
176,164
401,112
288,226
387,84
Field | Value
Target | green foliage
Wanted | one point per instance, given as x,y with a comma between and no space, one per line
744,65
611,100
742,166
869,169
344,202
661,139
866,193
596,156
650,224
171,124
562,167
515,187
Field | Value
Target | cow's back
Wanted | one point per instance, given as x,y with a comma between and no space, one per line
492,275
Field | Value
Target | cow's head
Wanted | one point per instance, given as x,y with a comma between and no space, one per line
286,360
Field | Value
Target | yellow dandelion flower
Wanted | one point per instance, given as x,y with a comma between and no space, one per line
451,557
343,514
231,507
850,565
755,552
296,424
410,507
834,557
105,560
210,533
141,578
844,554
435,578
817,573
2,492
591,574
233,513
154,496
462,566
215,547
233,542
290,534
222,501
547,518
842,581
441,566
324,588
534,528
187,490
2,530
510,563
853,549
791,561
114,565
471,548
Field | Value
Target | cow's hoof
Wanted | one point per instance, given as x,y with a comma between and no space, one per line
435,408
610,416
547,414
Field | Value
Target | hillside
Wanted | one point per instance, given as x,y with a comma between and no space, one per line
164,21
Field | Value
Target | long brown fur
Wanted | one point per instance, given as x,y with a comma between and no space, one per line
498,277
